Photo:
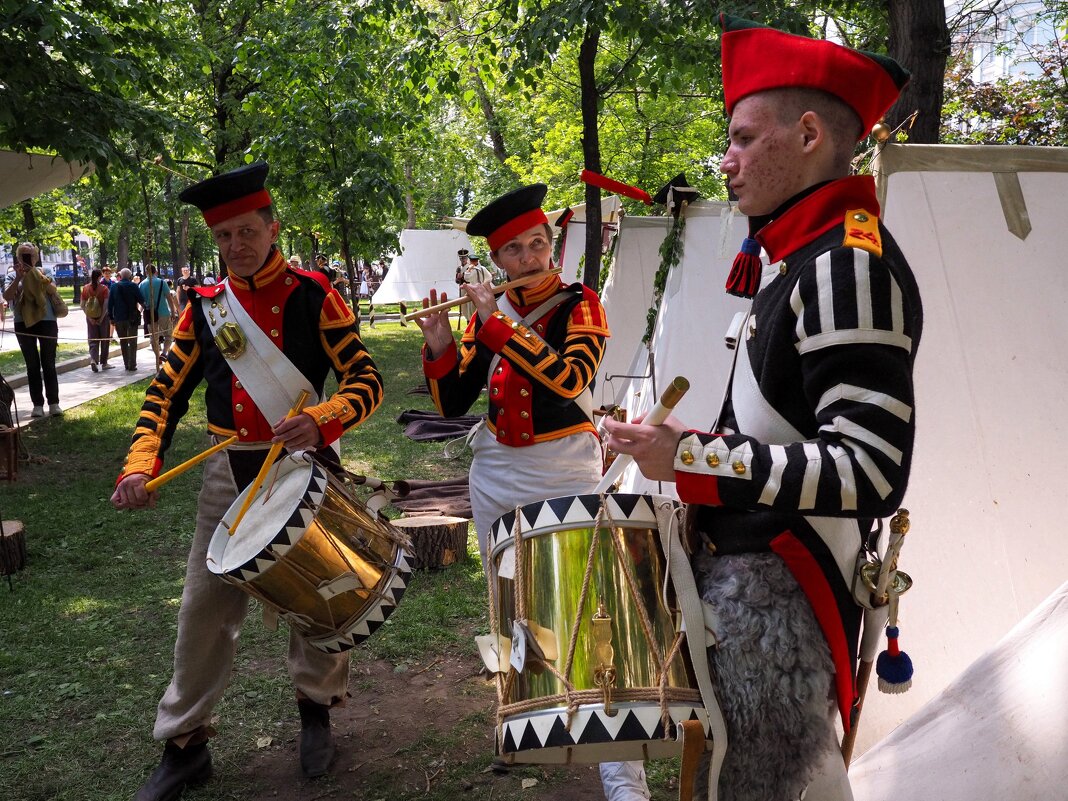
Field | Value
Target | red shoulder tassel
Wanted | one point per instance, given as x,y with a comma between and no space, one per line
744,280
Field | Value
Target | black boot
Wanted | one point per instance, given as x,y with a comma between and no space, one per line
316,741
180,767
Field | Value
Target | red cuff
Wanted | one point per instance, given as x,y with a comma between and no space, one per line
495,333
697,488
330,431
436,369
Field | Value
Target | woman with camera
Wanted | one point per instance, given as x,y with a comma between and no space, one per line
35,300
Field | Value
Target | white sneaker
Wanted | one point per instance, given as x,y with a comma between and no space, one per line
53,409
38,411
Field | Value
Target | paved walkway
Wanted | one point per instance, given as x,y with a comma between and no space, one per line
77,382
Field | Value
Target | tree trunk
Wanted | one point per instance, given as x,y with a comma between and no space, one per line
173,229
122,258
919,41
409,199
500,152
29,223
591,153
183,242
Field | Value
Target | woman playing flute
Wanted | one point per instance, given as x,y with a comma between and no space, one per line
537,347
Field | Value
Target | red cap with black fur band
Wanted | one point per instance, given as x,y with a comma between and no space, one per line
757,59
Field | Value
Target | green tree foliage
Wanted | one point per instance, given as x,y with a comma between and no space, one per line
74,77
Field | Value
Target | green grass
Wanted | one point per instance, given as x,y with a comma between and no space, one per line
12,363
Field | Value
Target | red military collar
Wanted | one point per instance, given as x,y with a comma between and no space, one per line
526,298
817,214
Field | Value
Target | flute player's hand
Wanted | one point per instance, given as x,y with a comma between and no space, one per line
435,326
483,298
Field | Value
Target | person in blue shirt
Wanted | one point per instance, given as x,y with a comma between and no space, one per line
160,312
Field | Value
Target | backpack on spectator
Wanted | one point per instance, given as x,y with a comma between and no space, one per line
94,310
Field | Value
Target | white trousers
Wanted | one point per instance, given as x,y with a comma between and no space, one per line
502,478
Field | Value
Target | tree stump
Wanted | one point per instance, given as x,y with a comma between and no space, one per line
437,541
12,547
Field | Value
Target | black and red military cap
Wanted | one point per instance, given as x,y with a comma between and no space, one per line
236,192
757,58
509,215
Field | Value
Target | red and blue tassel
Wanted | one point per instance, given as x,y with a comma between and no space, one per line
894,666
744,278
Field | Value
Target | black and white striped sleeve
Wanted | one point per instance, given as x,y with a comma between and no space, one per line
853,335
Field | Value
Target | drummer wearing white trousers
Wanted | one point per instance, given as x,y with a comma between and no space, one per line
309,325
536,350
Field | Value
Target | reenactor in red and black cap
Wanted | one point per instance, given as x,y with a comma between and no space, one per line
301,321
816,437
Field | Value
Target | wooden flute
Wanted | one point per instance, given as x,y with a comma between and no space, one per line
497,290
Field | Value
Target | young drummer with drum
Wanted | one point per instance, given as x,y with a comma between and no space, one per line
815,437
258,340
537,348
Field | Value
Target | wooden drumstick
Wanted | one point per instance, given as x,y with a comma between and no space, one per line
657,415
174,472
449,304
272,454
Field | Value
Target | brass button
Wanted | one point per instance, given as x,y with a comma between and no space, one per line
524,436
240,407
274,332
540,328
526,334
525,415
782,269
275,309
739,467
344,409
222,312
243,432
289,280
523,393
712,459
500,411
237,385
502,432
686,458
323,419
499,370
214,304
515,325
860,217
496,391
710,547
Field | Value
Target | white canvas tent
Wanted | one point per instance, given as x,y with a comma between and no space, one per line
26,175
984,231
427,259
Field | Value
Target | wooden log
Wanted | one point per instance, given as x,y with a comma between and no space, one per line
12,547
437,541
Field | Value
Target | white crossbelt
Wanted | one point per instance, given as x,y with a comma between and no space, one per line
271,379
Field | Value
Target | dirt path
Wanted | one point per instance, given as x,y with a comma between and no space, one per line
423,733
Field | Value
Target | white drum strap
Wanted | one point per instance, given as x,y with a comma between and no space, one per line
758,418
585,398
697,619
263,370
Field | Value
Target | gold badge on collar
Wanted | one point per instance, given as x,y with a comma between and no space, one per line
231,340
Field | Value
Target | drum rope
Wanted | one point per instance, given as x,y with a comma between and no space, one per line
572,699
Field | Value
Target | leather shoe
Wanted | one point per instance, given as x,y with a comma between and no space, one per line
179,768
316,740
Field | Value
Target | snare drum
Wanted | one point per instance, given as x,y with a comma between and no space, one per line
309,549
605,675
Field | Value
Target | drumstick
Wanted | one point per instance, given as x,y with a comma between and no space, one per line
657,415
272,454
174,472
526,279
